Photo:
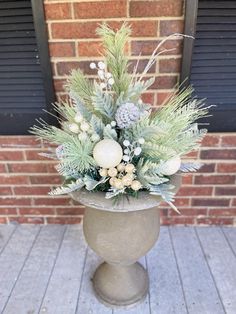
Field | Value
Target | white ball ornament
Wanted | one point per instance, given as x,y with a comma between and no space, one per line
101,65
83,136
171,166
92,65
107,153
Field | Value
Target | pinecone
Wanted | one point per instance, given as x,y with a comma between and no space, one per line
126,115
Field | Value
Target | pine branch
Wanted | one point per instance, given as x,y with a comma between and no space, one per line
117,62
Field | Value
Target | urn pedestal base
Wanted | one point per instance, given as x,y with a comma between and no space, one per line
119,285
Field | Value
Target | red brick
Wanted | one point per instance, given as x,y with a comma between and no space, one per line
214,179
3,220
169,65
210,141
20,141
170,27
165,82
11,155
222,212
37,211
194,190
141,66
192,155
63,49
46,179
3,168
59,85
163,97
215,221
53,201
63,220
27,167
74,30
31,190
148,98
34,154
215,202
207,168
65,68
5,190
156,8
101,9
51,168
187,179
57,11
181,202
27,220
13,179
218,154
146,47
177,220
189,212
227,190
228,141
8,211
70,211
226,167
15,201
144,28
89,49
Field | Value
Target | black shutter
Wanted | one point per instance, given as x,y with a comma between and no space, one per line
25,74
213,69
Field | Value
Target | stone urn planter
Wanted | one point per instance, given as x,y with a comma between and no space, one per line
121,234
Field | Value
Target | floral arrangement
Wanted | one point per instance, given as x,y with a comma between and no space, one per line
110,140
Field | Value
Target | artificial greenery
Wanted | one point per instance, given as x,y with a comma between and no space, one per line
152,142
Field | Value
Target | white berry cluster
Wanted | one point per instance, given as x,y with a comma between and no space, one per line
132,149
83,129
106,79
121,176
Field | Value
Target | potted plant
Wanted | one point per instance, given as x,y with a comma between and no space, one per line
120,159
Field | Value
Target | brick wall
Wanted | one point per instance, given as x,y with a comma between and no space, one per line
208,197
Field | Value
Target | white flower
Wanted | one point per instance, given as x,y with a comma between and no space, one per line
101,74
111,81
84,126
95,137
74,128
78,117
137,151
126,158
103,85
101,65
113,123
126,151
108,75
141,140
126,143
92,65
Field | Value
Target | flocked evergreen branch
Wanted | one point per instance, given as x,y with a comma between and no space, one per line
190,166
68,188
116,60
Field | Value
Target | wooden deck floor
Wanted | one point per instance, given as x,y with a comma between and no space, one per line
48,269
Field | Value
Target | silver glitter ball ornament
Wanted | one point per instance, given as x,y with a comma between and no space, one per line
127,114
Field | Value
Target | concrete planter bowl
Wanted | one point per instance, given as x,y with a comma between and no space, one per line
121,234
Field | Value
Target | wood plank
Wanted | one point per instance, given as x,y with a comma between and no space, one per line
143,307
6,231
62,292
230,234
200,292
87,302
222,262
13,258
166,294
32,283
